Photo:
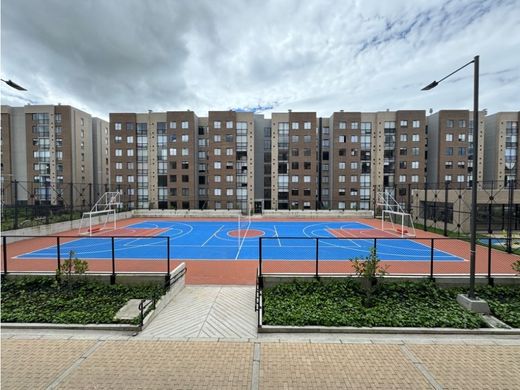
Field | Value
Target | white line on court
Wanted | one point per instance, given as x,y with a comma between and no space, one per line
277,235
245,235
213,235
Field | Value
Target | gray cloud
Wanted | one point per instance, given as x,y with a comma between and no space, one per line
132,55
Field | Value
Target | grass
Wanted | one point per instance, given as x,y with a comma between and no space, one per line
340,303
43,300
504,302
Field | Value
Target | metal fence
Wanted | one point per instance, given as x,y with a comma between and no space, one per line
49,252
426,256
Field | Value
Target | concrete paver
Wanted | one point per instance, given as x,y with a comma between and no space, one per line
36,363
255,363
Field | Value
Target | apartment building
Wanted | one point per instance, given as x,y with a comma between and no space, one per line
50,153
101,156
381,151
6,161
177,160
502,149
294,160
450,148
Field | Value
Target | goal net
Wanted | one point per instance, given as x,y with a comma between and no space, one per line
102,216
393,216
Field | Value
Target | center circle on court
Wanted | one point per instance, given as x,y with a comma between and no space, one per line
246,233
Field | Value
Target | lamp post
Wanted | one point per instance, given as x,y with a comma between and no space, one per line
12,84
473,220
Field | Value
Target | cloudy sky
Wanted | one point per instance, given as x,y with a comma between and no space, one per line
134,55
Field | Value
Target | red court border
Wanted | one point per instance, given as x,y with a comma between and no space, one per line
244,271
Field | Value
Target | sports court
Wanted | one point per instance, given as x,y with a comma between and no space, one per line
239,240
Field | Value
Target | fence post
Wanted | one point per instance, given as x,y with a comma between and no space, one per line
113,276
317,257
490,207
409,198
58,255
446,185
15,222
509,231
4,253
71,200
168,261
375,246
425,206
260,256
431,257
490,281
90,196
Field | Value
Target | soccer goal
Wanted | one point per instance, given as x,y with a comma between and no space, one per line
393,216
104,211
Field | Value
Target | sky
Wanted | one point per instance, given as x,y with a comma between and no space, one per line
266,56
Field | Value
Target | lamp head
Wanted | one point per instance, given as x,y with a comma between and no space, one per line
430,86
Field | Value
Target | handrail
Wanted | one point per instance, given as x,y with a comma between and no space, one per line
169,282
142,306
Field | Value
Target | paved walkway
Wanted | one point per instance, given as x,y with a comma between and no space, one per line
90,361
207,311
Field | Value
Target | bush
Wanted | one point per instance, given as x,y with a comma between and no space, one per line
340,303
41,299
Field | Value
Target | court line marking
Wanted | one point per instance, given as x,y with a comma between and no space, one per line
213,235
277,235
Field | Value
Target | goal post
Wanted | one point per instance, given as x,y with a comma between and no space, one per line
393,216
106,206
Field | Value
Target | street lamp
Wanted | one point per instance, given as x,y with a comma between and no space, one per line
473,220
12,84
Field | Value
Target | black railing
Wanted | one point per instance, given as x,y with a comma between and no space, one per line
60,241
304,255
169,282
142,307
259,297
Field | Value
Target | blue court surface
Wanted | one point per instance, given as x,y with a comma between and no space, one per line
201,240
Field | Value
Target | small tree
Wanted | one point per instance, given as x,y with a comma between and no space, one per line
369,270
70,266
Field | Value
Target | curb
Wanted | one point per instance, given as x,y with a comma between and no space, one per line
108,327
385,330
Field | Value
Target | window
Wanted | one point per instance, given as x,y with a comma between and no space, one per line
353,165
294,179
119,152
415,164
415,137
173,151
130,178
185,179
447,178
462,151
217,165
295,125
306,179
307,125
217,178
173,125
307,165
184,125
229,124
185,165
342,139
216,124
295,165
402,178
403,137
119,178
460,178
185,152
295,138
342,125
130,139
342,165
415,178
229,178
462,137
462,125
306,138
119,165
229,151
306,152
353,178
173,138
416,124
450,123
354,138
355,125
130,166
415,151
217,191
403,123
129,152
448,164
117,126
229,192
449,137
217,151
402,164
342,152
341,178
217,138
185,138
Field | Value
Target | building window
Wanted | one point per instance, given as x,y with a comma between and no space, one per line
342,139
342,125
450,123
415,137
462,137
229,124
354,138
415,178
416,124
119,178
402,178
130,178
119,152
307,125
217,191
403,123
403,137
341,178
306,138
355,125
185,152
462,151
216,124
342,165
130,139
184,124
117,126
462,124
229,192
173,125
353,178
229,151
119,165
415,164
353,165
217,165
449,137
